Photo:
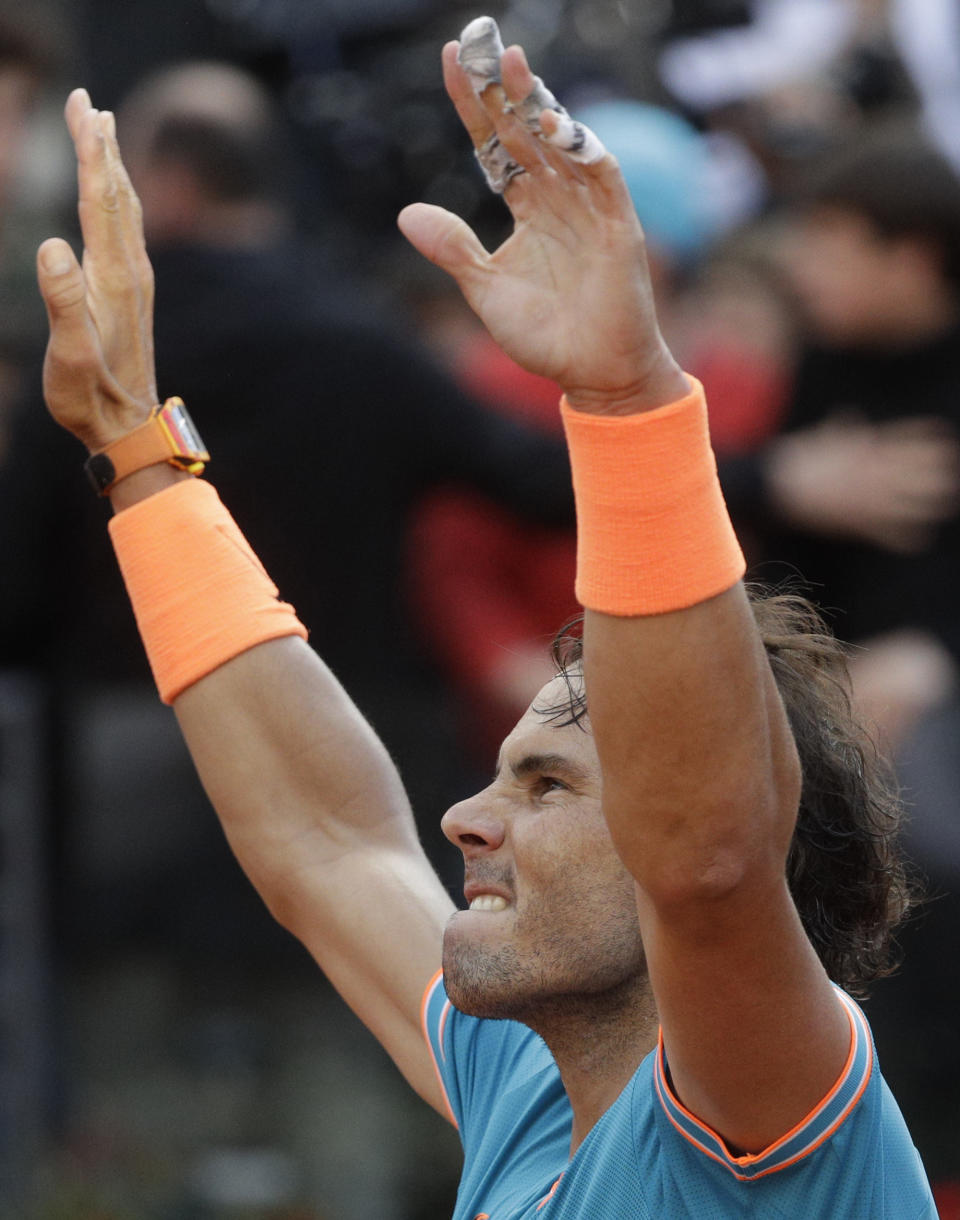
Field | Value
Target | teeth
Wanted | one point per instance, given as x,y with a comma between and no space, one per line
489,902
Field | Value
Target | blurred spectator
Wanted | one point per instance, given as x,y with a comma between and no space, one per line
271,359
25,60
864,484
776,42
737,325
30,51
794,78
493,589
926,34
789,77
860,495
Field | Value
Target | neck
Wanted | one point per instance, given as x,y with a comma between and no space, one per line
598,1043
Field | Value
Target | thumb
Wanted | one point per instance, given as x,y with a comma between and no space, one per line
72,348
62,286
444,239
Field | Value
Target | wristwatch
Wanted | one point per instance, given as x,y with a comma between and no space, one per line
168,435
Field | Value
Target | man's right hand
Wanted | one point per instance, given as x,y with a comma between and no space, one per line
99,378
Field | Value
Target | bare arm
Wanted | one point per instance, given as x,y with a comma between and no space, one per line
308,797
316,813
699,771
701,786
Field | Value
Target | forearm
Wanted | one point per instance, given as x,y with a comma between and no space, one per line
700,773
315,813
293,770
297,776
693,742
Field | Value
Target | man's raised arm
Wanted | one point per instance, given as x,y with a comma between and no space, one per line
308,797
700,774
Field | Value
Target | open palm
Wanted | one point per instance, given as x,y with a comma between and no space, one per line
99,378
567,295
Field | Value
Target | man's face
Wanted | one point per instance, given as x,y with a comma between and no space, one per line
852,281
553,917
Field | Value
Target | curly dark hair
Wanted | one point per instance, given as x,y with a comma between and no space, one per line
851,885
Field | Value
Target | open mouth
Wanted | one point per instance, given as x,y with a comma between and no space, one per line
488,902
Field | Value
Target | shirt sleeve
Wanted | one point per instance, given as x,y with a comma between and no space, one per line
435,1012
483,1064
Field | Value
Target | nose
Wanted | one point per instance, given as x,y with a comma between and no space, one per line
472,824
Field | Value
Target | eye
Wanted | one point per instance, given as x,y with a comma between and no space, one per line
550,783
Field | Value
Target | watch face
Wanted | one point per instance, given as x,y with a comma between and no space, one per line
183,430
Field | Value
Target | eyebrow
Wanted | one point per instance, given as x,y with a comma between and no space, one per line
544,764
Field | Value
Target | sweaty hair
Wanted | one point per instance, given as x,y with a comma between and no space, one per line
894,178
848,880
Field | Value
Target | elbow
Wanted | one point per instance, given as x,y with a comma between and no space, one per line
721,839
680,874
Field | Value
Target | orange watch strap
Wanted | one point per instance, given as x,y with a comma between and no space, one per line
158,439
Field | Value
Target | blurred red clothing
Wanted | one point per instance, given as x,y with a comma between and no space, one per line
483,582
486,585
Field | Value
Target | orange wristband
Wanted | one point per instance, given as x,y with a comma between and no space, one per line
199,593
653,534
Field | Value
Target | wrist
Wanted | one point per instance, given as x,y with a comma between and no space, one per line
199,593
667,384
653,534
144,483
112,420
167,438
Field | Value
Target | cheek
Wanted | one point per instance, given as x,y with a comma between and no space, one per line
574,876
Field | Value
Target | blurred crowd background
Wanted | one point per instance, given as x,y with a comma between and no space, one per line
166,1053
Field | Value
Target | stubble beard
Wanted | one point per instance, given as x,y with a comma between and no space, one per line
561,979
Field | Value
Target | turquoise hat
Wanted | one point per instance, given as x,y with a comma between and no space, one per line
665,163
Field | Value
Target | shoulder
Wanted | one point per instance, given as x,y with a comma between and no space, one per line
817,1127
505,1096
485,1065
851,1156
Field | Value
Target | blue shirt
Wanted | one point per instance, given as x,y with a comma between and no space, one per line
647,1156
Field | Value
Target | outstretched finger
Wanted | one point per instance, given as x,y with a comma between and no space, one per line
77,105
532,102
601,173
98,198
136,271
519,82
466,101
128,204
481,104
516,136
